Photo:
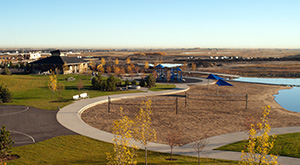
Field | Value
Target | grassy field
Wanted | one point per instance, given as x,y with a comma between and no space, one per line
285,145
77,149
32,90
161,87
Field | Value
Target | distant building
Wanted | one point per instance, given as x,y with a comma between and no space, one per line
34,56
60,63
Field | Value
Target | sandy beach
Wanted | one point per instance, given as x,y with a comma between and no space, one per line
204,115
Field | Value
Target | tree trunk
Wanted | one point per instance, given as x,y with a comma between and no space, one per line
146,155
198,158
171,153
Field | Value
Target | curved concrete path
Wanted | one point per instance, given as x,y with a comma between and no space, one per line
69,117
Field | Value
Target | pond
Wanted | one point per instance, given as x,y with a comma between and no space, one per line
287,98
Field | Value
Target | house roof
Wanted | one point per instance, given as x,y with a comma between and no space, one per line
59,60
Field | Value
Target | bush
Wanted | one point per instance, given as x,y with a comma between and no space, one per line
150,80
6,142
133,82
97,81
127,82
6,71
5,95
142,83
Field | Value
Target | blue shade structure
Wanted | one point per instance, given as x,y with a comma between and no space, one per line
212,77
222,82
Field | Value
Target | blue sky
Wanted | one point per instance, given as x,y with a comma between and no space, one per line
150,23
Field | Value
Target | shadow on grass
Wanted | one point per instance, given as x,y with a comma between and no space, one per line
61,100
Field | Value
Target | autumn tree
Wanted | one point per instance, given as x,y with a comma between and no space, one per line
174,137
6,142
80,85
122,70
146,66
194,66
52,83
117,61
260,143
137,69
116,70
100,68
129,69
108,69
128,61
124,151
142,127
102,61
199,146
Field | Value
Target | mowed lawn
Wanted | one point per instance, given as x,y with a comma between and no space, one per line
77,149
285,145
32,90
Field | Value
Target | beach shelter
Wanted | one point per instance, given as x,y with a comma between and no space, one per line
222,82
212,77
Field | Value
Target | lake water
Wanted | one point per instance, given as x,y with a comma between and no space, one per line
287,98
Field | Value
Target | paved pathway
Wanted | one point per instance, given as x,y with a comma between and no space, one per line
69,117
29,125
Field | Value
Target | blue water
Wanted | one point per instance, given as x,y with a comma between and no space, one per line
287,98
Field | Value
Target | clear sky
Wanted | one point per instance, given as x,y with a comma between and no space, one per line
150,23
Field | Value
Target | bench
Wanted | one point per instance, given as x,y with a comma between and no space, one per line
76,97
83,95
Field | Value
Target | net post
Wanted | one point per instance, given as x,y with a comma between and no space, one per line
108,105
246,101
176,105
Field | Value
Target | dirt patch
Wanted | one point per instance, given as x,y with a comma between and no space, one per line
203,115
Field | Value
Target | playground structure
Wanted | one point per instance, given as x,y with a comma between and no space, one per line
175,71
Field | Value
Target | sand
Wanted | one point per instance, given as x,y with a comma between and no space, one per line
203,116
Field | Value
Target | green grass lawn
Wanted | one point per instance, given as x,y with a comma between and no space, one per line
285,145
77,149
161,87
32,90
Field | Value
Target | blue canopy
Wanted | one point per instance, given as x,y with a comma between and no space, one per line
159,66
222,82
214,77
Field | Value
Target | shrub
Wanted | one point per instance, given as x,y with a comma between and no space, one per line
133,82
127,82
6,142
5,94
150,80
97,81
142,83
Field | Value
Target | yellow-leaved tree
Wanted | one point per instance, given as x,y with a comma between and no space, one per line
142,127
128,61
117,61
259,146
124,151
102,61
52,83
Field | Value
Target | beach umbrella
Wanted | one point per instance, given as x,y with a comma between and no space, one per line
212,77
222,82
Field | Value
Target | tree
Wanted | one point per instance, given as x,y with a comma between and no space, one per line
60,88
52,83
5,95
142,127
6,71
124,151
117,61
116,70
111,83
146,66
100,68
199,146
142,83
80,85
102,61
129,69
174,137
193,66
97,81
150,80
133,82
122,71
128,61
259,146
108,69
6,142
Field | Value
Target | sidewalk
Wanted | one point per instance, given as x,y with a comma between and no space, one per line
69,117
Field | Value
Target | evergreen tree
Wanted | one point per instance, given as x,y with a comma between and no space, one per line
5,95
150,80
6,142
